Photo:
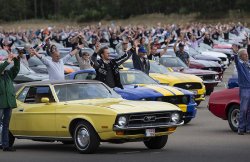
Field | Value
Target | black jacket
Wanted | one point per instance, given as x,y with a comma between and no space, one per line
139,64
101,67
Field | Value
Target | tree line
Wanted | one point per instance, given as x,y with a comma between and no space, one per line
89,10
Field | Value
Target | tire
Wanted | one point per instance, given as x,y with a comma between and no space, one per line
68,142
187,120
156,142
198,102
233,117
209,91
88,143
11,139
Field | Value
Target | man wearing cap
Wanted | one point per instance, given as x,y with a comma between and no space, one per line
7,97
140,60
181,53
243,68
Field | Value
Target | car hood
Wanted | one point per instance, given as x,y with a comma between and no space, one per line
204,63
215,54
175,77
206,57
121,106
195,71
141,91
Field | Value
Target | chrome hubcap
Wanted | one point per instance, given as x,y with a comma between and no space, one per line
235,117
83,138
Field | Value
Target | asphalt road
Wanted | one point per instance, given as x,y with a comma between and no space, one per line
206,139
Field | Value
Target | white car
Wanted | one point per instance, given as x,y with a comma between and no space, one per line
205,51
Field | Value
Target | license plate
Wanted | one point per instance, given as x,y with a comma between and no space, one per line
150,132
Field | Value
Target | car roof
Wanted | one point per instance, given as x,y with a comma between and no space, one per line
56,82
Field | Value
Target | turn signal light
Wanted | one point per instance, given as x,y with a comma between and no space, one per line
172,129
119,132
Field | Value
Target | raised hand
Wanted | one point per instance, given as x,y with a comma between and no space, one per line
10,57
97,46
235,48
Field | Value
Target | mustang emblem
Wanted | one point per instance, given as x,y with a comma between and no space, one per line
149,118
188,85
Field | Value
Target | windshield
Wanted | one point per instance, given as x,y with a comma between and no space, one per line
135,77
172,62
193,52
83,91
72,60
158,68
23,69
34,61
128,65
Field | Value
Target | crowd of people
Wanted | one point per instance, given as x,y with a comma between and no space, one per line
140,43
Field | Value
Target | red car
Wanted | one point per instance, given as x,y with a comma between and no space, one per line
225,104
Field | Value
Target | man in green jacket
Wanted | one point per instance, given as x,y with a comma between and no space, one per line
7,96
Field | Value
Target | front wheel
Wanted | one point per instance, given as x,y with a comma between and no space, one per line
233,117
85,138
209,91
198,103
187,120
156,142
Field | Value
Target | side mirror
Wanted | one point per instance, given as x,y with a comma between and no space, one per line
45,100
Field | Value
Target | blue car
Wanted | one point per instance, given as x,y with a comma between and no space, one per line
139,86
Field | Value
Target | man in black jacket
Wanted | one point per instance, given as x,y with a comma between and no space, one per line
140,60
107,70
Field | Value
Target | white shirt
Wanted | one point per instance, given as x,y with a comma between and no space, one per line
55,69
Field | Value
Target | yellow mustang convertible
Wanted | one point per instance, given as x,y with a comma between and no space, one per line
87,113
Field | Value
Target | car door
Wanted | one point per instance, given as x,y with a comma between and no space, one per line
31,117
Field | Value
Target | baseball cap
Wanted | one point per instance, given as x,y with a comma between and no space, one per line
142,49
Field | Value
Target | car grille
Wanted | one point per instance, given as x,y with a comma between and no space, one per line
208,77
149,119
217,69
189,86
175,99
223,58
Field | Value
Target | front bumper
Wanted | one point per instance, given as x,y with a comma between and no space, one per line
210,84
169,125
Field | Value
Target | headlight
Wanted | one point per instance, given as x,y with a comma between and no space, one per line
185,99
175,117
217,77
122,121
